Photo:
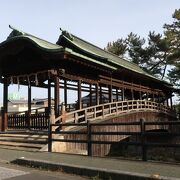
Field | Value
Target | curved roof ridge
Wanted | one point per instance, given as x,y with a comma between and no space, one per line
65,33
25,34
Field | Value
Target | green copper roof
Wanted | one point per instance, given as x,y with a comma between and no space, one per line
105,57
71,44
16,34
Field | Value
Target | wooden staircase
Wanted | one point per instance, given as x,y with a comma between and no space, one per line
23,140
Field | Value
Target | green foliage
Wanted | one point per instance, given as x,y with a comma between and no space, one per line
155,54
172,33
117,47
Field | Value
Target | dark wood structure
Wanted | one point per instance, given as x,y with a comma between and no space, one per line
73,64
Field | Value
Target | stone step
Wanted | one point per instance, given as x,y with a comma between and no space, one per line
20,148
18,144
23,140
35,137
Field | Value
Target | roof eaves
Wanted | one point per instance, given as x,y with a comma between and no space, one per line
68,50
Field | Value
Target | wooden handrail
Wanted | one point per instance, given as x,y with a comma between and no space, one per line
114,108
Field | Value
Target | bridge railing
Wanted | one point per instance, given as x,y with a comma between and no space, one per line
109,109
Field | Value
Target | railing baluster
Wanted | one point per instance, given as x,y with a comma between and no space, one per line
85,115
116,108
103,111
94,112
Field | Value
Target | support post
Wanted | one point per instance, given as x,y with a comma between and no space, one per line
5,106
132,93
117,94
140,95
90,94
100,94
123,98
79,95
49,96
153,96
29,107
171,103
110,94
167,101
56,96
97,94
65,93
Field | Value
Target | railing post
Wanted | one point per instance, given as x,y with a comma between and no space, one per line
95,113
63,114
109,109
116,108
50,137
85,115
75,117
89,144
103,111
144,148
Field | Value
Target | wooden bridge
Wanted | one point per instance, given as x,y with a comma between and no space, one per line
117,90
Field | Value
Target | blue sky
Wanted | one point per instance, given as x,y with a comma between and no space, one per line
97,21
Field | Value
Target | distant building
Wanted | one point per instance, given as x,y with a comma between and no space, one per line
22,105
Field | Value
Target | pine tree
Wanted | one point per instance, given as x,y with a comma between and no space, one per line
172,33
118,47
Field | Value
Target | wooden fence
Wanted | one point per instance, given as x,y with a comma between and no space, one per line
142,133
37,119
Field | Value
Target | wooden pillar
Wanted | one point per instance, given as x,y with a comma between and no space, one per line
132,94
147,96
123,98
49,96
167,102
65,93
100,94
171,103
90,94
29,107
110,94
79,95
97,94
140,95
117,94
5,106
56,96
